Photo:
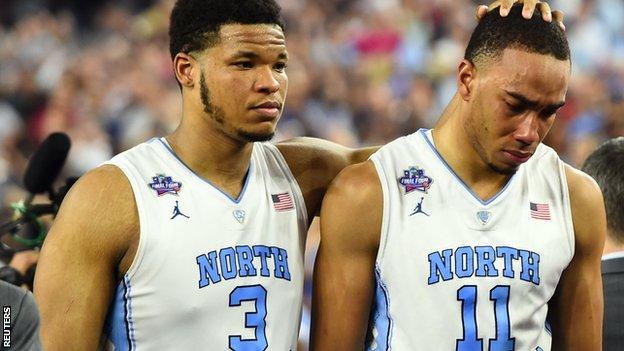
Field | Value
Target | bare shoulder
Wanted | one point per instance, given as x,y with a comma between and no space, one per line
99,213
359,182
588,212
353,207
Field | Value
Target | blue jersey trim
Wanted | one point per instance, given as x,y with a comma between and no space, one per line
129,321
119,328
242,193
548,328
448,167
382,321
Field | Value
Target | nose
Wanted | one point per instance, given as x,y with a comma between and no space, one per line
266,81
527,131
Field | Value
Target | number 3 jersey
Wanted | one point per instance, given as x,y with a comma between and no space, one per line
454,272
210,272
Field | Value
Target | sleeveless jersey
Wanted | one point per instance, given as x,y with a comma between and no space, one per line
210,272
454,272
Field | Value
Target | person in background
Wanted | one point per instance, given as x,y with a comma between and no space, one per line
606,166
20,319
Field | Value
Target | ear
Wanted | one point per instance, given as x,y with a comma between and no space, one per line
466,74
184,66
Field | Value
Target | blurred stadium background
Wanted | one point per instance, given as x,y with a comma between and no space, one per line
361,73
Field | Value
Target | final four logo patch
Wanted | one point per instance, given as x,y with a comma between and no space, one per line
414,178
163,184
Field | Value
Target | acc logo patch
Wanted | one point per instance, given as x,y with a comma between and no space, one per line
484,216
414,178
163,184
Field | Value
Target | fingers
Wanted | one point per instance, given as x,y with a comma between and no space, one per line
505,6
558,18
528,8
544,8
481,12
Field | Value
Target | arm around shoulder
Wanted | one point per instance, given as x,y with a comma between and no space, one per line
578,301
345,264
79,261
316,162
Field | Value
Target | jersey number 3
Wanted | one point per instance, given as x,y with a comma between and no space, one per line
256,320
467,294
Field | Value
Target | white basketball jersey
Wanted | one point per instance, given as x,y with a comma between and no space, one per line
458,273
210,272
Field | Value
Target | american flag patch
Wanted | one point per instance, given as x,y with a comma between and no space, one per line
282,202
540,211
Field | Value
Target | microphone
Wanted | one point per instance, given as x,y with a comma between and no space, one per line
42,170
46,163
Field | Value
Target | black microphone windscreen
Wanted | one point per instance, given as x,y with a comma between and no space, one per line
46,163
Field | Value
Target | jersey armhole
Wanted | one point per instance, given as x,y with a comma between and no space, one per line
567,208
303,210
383,230
130,172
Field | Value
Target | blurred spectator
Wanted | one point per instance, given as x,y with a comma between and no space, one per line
19,307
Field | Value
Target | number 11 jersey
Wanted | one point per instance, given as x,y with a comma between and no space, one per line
455,272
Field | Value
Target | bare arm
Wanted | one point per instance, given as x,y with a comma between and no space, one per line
578,301
344,269
79,260
316,162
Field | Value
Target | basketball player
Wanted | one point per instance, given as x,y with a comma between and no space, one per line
195,240
506,232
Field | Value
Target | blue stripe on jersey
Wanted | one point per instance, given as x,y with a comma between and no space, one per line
118,329
247,175
448,167
382,322
548,328
129,320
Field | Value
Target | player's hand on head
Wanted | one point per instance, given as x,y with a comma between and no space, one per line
529,6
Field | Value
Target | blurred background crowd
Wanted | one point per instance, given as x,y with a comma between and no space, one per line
362,72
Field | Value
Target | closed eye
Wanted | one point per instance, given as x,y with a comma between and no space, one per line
514,109
243,64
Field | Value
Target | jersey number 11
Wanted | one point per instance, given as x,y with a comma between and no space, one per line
467,294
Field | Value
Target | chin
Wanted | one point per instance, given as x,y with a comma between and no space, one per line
255,136
504,169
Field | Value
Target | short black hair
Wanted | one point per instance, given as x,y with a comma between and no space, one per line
606,165
194,24
494,34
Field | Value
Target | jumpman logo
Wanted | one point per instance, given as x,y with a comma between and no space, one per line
177,212
419,209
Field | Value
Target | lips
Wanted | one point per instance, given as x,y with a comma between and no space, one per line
270,109
517,157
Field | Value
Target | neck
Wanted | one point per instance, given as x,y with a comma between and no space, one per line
611,246
211,154
454,146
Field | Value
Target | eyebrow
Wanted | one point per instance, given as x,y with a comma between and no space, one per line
252,55
532,103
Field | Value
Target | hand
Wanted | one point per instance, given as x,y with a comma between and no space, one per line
22,260
527,11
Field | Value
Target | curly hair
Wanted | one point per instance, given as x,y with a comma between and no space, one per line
194,24
605,165
494,34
